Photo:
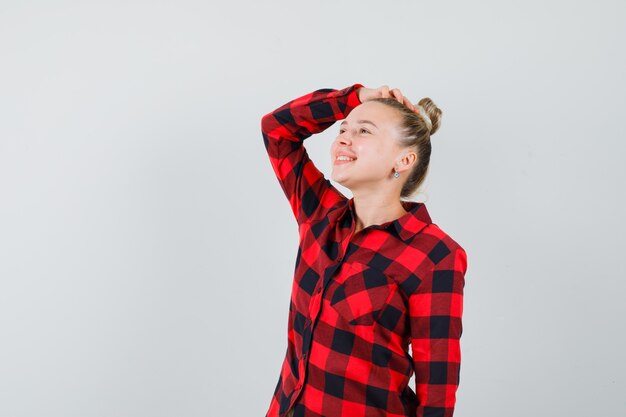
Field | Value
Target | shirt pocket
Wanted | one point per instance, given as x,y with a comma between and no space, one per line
361,298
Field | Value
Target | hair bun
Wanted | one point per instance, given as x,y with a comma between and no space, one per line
431,114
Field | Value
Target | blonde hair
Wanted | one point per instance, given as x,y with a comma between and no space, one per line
417,128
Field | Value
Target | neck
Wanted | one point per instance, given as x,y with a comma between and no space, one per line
376,209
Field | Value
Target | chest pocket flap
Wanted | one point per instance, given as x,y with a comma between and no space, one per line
363,295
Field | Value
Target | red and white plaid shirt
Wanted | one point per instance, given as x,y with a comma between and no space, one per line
359,301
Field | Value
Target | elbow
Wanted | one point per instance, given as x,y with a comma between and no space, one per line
267,122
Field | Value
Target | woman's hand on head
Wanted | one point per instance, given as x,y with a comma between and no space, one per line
365,94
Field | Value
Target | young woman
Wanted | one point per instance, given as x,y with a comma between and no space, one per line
374,275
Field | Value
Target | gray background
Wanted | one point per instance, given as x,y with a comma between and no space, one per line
147,250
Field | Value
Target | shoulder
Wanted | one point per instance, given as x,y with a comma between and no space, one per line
441,255
435,241
440,267
434,231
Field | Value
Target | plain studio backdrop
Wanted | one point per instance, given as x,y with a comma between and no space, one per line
147,249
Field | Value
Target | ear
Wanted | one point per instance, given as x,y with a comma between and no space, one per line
406,161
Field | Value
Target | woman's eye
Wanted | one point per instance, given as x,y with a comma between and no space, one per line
364,131
341,131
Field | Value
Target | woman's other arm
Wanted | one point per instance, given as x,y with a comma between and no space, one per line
436,310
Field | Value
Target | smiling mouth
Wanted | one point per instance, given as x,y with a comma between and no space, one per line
344,158
342,161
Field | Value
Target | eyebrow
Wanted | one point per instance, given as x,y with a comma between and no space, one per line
361,121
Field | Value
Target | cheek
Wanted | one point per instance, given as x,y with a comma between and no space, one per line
374,162
372,152
377,158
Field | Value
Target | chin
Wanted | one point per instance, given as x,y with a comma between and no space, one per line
338,180
343,182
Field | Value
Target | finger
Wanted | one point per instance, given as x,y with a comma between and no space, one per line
384,91
408,103
397,95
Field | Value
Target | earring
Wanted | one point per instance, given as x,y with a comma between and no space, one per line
396,174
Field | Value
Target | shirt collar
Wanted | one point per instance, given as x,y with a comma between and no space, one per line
409,224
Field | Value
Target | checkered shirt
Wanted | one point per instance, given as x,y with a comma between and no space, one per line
368,310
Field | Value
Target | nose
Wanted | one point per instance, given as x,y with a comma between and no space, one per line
344,138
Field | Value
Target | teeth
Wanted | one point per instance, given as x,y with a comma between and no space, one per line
344,158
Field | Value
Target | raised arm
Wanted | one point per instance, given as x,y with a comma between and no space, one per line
284,131
436,310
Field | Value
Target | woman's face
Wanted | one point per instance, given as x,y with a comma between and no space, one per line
369,136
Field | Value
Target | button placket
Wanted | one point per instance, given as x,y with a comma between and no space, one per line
314,309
